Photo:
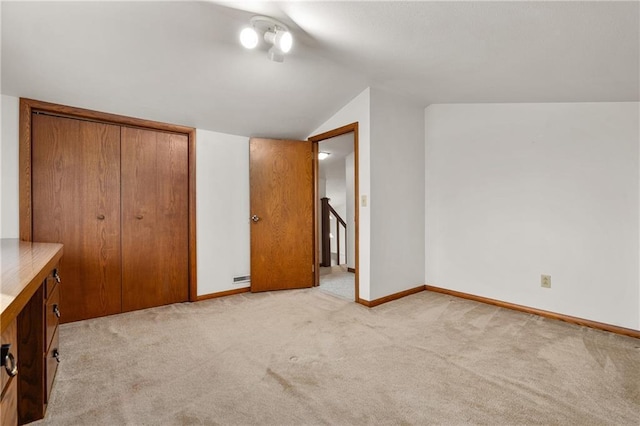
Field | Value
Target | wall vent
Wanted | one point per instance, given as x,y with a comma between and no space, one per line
242,279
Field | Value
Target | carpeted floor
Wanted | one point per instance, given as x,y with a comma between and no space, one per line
305,357
338,281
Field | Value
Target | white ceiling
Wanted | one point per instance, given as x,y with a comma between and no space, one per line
333,167
180,62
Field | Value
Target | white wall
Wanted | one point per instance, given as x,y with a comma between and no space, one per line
514,191
350,210
397,195
338,187
1,130
337,193
222,206
358,111
9,211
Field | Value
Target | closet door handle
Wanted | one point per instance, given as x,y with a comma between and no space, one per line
100,217
139,216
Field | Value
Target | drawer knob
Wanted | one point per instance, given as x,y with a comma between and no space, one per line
100,217
56,276
139,216
56,310
8,361
56,355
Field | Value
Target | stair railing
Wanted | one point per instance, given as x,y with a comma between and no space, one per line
326,211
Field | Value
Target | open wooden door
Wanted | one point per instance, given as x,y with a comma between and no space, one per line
281,193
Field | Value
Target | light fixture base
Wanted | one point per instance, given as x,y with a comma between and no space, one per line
265,23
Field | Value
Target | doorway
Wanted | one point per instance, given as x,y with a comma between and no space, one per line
336,224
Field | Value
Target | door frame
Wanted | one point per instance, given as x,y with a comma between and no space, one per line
29,106
353,127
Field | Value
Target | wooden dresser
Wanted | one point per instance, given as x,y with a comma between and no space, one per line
29,313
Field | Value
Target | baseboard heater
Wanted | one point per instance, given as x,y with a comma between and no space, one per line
242,279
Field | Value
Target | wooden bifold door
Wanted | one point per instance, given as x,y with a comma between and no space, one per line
117,197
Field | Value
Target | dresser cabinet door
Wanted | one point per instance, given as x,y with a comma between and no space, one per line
9,405
76,202
9,384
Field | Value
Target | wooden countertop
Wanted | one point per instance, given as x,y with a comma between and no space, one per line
24,266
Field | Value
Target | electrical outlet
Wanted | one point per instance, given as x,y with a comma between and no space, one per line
545,281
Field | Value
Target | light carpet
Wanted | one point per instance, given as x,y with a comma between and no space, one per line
338,281
305,357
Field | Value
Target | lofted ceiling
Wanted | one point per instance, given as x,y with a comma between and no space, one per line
180,62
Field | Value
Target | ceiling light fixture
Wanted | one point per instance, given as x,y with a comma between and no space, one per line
323,155
273,32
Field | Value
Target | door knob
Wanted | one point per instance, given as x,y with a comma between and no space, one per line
255,218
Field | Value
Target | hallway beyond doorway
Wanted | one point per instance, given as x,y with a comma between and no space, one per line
337,281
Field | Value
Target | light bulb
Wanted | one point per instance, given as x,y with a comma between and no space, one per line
284,41
249,38
281,40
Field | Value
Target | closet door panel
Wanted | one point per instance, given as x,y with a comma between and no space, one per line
76,202
155,221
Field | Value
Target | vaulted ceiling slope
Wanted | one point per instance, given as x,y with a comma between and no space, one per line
181,62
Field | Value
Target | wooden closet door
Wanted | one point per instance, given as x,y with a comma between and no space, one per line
155,218
76,202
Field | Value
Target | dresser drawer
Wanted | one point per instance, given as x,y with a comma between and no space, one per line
52,279
52,312
51,365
